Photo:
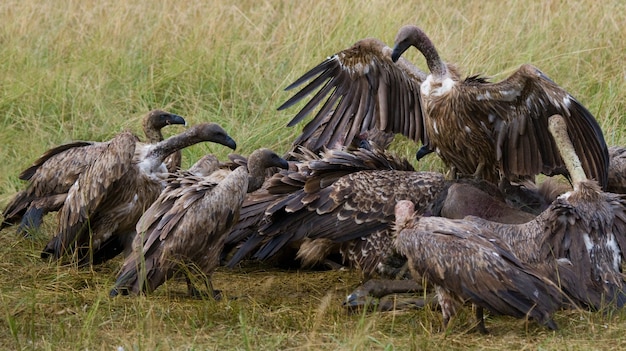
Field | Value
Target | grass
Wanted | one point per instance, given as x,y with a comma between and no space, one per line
87,70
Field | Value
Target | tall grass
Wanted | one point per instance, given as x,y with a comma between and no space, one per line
89,69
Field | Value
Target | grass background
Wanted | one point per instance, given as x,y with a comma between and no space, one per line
89,69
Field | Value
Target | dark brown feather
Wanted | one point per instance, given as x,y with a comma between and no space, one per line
51,176
467,263
186,226
98,219
359,88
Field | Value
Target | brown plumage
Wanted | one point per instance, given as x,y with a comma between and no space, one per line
343,201
472,265
617,170
97,220
51,176
487,130
365,90
583,228
186,226
577,242
491,130
339,197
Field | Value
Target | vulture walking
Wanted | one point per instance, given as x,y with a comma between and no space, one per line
52,175
98,218
473,265
186,226
492,131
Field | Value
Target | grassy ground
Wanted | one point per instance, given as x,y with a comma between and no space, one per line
89,69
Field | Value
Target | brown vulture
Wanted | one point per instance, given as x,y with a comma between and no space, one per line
185,227
577,243
472,264
51,176
98,218
492,131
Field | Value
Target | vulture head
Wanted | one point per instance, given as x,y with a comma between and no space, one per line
158,119
210,132
260,160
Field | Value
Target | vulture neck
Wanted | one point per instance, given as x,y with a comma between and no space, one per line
154,135
422,42
404,214
558,129
256,174
164,148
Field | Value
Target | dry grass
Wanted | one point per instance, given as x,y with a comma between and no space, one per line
89,69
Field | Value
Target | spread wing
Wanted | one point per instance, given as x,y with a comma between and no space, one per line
518,112
360,89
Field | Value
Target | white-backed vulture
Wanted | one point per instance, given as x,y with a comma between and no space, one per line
98,218
488,130
186,226
493,129
586,227
472,265
51,176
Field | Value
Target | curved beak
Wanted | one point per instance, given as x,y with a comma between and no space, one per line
282,163
398,50
423,151
228,141
175,119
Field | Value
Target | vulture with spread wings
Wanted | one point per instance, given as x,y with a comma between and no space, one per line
492,131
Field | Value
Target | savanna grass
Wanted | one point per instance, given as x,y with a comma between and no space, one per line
89,69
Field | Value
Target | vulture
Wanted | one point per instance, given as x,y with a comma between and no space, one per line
491,131
343,201
584,228
52,175
576,243
98,218
473,265
186,226
325,205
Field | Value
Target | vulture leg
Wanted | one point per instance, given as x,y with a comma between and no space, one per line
479,170
208,291
481,321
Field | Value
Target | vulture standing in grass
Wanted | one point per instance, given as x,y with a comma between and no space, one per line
186,226
98,218
52,175
577,242
491,131
473,265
